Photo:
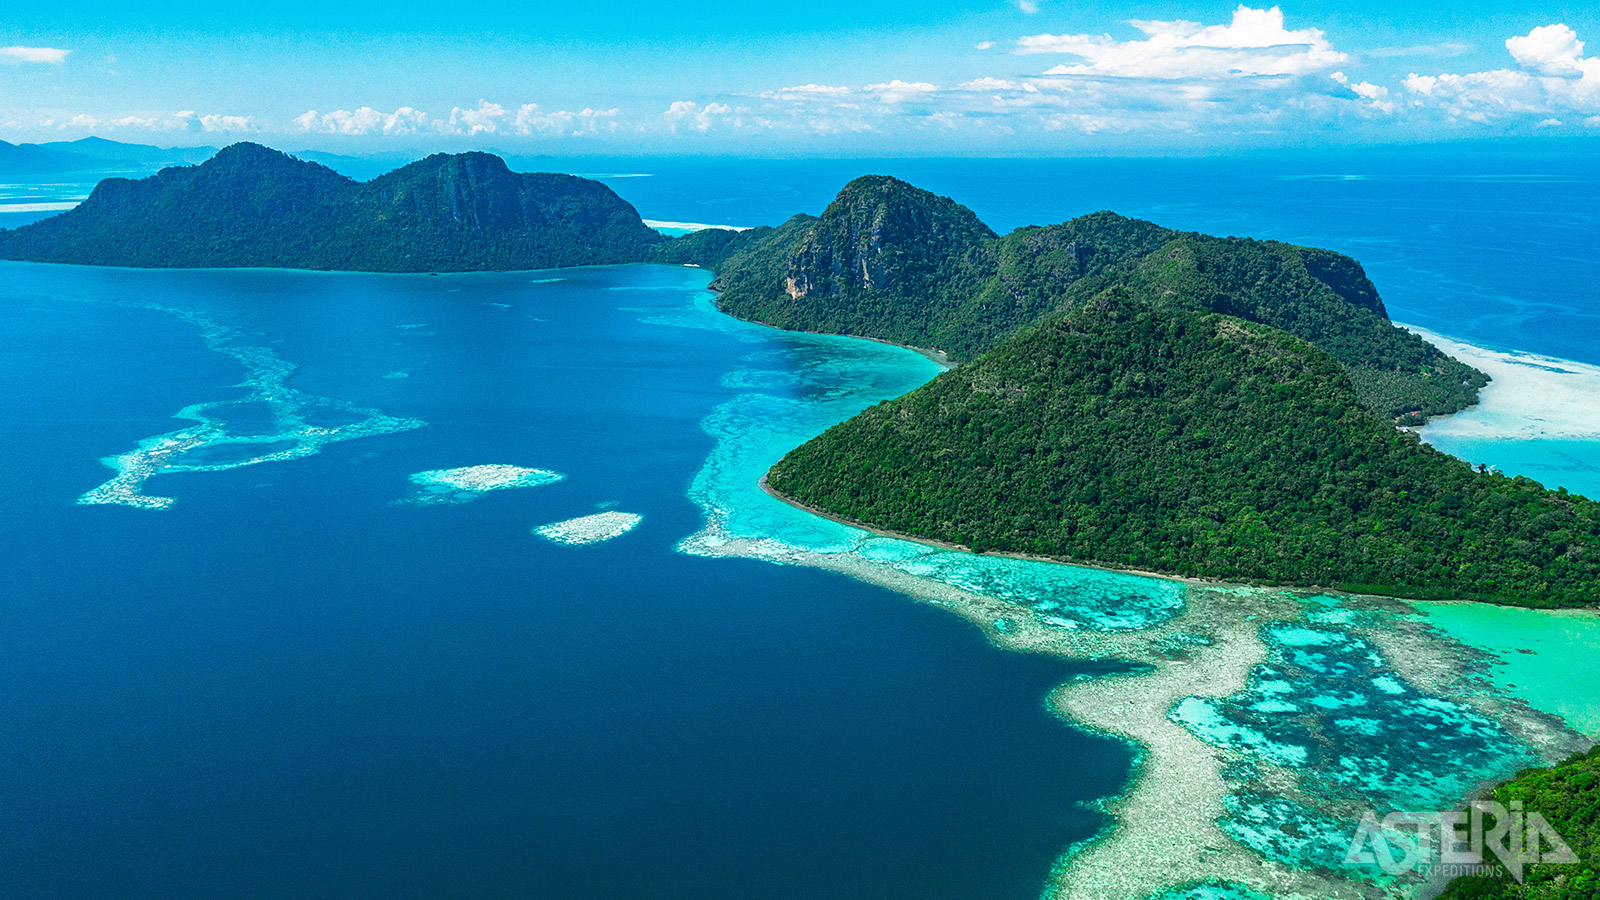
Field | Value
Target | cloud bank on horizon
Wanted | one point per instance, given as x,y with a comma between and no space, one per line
1171,82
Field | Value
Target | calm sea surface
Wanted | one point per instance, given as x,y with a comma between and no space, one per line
295,680
287,684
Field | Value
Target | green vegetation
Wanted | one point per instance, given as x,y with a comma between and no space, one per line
1147,436
251,206
1568,796
891,261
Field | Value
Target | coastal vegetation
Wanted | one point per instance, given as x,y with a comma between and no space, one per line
252,206
1135,434
891,261
1568,796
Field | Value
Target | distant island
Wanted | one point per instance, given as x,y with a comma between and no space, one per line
251,206
1127,395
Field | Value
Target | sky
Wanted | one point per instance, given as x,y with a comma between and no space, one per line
823,78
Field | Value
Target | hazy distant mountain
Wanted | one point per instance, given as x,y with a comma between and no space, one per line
93,153
36,159
114,152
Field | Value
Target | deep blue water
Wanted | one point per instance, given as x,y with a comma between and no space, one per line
288,685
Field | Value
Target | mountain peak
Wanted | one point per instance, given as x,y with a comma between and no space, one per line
249,152
472,161
884,198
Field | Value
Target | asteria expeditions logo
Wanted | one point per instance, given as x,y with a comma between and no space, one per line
1459,842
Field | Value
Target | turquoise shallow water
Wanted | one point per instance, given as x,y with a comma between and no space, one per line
1543,657
791,396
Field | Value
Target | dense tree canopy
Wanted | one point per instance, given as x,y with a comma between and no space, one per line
1145,436
890,261
251,206
1568,796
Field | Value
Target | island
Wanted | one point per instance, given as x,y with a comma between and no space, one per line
251,206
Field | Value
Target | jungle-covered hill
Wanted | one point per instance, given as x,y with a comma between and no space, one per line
251,206
1142,435
890,261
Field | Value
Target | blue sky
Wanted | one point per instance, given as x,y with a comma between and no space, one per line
821,78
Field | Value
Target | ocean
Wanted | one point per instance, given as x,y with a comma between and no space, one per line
290,682
352,669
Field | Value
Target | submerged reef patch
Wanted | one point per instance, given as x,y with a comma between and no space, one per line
467,483
272,423
590,529
1212,891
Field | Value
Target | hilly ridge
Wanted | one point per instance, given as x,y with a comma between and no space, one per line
253,206
891,261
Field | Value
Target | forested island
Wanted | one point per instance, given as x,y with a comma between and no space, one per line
1127,395
253,206
1140,436
1140,398
891,261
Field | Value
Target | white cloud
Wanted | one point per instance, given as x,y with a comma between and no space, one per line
42,55
1441,50
185,120
898,91
1028,6
992,84
693,116
1555,77
364,120
530,120
1552,50
189,120
806,92
1254,43
1376,95
983,45
483,120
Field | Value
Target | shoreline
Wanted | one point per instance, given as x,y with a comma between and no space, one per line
1186,580
1003,554
938,357
1171,807
1530,396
